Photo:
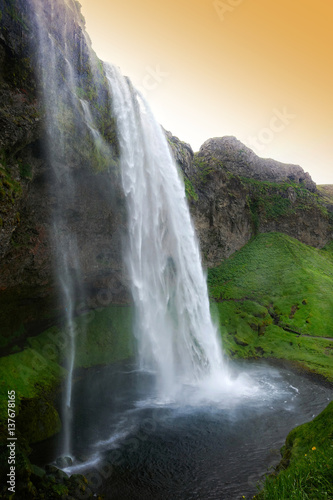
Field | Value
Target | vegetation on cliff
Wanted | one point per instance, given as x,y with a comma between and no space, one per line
268,200
325,192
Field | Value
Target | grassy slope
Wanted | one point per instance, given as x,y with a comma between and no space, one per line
272,284
309,453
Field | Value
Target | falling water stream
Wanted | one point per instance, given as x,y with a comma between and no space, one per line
57,94
176,336
67,117
177,421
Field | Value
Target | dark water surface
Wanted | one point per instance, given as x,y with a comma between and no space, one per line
135,446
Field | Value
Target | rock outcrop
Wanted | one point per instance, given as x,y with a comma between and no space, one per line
182,153
240,160
234,194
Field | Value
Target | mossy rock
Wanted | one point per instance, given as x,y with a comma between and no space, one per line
38,420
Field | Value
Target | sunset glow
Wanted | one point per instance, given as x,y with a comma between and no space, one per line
257,69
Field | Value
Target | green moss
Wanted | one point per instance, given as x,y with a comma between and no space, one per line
25,170
328,250
13,11
89,93
270,200
189,190
37,420
203,169
101,337
59,490
326,193
10,188
107,336
31,373
99,154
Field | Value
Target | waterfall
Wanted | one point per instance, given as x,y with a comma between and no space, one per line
176,337
58,100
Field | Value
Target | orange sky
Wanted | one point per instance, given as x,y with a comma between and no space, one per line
257,69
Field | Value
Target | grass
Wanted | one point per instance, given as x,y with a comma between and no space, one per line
272,285
189,189
306,470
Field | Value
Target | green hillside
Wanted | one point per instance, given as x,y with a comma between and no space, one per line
272,297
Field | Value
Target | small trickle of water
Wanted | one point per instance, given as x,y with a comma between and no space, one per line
68,117
176,336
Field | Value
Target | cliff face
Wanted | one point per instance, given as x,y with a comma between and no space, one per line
234,194
182,153
96,213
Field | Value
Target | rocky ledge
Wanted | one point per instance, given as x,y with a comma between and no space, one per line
242,161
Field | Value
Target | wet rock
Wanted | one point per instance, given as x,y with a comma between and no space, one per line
37,471
64,462
51,469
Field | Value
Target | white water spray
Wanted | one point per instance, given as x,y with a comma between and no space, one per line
176,337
